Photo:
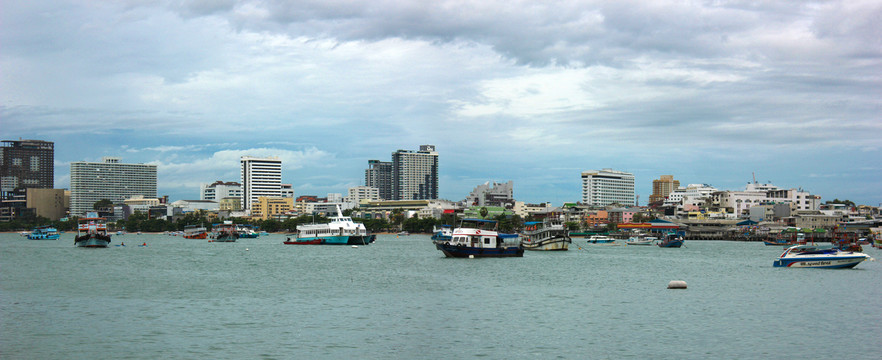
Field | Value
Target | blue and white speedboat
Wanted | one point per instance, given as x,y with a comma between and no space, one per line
340,231
44,233
480,242
811,256
443,232
601,239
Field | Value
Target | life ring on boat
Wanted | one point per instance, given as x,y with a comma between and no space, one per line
478,232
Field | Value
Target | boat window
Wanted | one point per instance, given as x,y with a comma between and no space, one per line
487,240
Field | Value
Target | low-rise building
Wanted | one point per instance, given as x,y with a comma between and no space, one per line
270,207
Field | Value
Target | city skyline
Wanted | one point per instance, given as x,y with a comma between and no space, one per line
711,93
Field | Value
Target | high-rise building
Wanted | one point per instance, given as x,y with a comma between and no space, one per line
663,187
219,190
608,186
260,177
415,174
379,175
26,164
499,194
91,182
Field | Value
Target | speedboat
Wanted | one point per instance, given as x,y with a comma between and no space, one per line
811,256
641,240
600,239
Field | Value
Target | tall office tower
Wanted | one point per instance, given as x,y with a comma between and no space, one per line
379,175
91,182
663,187
415,174
260,177
26,164
607,186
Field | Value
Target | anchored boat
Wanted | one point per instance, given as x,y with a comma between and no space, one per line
548,235
195,232
225,232
811,256
341,230
672,240
92,232
479,239
44,233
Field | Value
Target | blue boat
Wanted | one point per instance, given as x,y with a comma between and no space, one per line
44,233
246,232
672,240
341,230
480,241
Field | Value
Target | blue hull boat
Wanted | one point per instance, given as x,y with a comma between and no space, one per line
460,251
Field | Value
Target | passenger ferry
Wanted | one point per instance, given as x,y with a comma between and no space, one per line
195,232
44,233
341,230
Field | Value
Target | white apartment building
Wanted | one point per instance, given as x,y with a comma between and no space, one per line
109,179
287,191
692,193
219,190
759,194
362,193
260,177
499,194
607,186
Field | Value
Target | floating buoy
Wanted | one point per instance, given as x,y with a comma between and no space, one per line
354,246
677,284
471,256
246,249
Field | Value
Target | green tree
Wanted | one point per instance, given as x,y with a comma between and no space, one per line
483,212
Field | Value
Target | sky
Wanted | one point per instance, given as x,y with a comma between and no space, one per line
712,92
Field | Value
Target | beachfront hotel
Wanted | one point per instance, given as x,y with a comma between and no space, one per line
109,179
607,186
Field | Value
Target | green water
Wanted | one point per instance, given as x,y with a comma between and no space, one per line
400,298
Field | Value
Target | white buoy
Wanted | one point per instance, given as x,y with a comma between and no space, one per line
471,256
677,284
246,249
354,246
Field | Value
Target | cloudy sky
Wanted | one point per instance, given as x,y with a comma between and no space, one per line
530,91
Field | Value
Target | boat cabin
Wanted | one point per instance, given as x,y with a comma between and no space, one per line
476,238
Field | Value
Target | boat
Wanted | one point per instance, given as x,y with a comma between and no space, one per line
225,232
341,230
44,233
246,232
548,235
820,256
672,240
403,233
600,239
641,239
92,231
443,232
195,232
479,238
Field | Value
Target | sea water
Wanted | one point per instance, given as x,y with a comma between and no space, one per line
400,298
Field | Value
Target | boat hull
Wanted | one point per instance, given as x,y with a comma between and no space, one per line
466,251
335,240
92,241
639,242
196,236
43,237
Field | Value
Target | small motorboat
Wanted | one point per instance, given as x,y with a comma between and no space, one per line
673,240
641,240
811,256
600,239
